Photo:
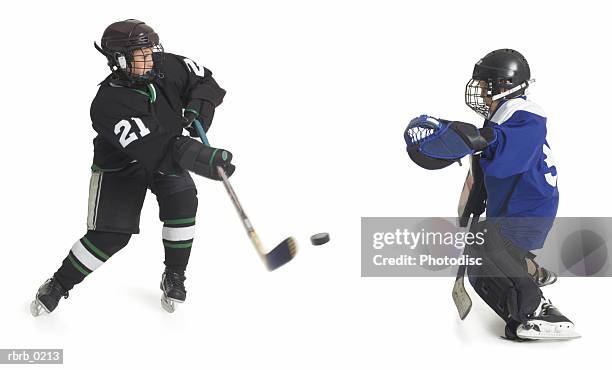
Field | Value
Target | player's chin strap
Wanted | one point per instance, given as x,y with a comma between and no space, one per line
522,86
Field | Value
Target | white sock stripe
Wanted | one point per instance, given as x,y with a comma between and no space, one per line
87,259
178,233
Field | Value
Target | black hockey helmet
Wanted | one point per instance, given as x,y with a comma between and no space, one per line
130,46
501,74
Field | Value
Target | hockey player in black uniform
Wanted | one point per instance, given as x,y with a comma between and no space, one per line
139,114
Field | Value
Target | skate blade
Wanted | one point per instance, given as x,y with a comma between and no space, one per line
516,340
169,304
548,331
37,308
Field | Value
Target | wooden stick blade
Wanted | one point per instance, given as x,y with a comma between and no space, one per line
462,300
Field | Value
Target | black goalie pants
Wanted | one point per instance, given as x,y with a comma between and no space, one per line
115,202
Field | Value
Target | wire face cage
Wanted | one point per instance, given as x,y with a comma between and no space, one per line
145,64
477,94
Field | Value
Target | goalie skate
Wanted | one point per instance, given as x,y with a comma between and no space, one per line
547,323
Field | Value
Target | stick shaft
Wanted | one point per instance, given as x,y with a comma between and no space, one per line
243,217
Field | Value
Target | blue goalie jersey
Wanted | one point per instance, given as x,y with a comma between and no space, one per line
520,174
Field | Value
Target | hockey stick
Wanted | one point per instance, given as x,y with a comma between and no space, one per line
471,205
462,299
284,252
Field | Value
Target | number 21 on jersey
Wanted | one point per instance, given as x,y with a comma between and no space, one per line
123,128
194,67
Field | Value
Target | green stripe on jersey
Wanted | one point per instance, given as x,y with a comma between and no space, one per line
96,168
152,93
141,92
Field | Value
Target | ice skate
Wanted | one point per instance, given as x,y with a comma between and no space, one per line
173,288
47,297
547,323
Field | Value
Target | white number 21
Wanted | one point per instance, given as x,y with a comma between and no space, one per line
194,67
124,127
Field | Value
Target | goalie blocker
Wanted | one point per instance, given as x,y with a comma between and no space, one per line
435,143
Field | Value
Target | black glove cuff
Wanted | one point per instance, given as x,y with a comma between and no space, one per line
472,135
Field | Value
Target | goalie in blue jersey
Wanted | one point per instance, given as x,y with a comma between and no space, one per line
514,179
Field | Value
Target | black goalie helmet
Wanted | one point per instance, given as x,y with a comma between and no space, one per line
501,74
133,51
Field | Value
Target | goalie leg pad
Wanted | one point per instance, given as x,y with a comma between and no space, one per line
502,280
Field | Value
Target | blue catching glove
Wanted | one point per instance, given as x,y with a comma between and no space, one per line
434,143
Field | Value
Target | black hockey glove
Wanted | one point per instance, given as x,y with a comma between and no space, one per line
201,110
188,118
200,159
477,139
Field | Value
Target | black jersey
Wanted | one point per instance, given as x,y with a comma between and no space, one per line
137,124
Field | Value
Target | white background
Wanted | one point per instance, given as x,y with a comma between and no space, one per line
319,93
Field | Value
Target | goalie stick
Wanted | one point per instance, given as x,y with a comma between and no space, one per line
284,252
472,204
462,299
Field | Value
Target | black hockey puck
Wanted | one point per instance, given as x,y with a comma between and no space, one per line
319,239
